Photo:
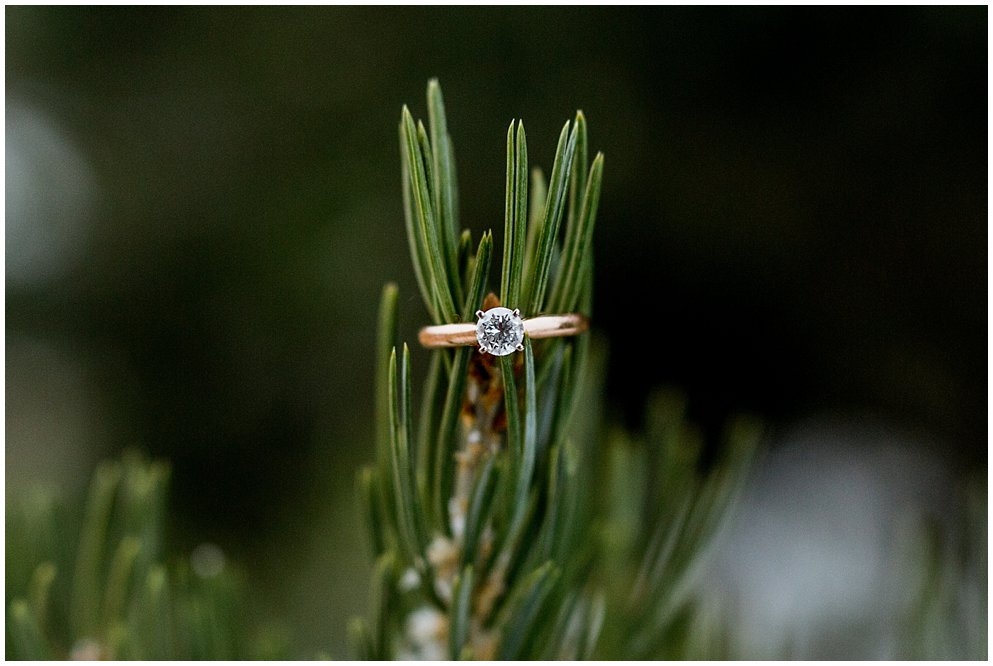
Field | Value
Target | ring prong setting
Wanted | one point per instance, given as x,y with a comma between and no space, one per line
500,331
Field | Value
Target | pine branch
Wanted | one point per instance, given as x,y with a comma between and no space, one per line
460,511
102,590
500,549
947,615
662,515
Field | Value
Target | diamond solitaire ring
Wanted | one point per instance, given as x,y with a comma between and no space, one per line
500,331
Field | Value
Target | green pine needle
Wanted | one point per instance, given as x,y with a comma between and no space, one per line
427,229
549,226
515,216
121,600
460,617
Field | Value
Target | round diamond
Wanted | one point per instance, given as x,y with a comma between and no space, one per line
499,331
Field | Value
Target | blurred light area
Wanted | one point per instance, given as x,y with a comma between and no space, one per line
50,192
55,420
207,560
823,556
86,649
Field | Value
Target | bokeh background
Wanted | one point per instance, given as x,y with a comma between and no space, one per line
203,204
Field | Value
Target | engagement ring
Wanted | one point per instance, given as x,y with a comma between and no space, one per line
500,331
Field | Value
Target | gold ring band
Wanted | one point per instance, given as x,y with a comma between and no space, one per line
542,326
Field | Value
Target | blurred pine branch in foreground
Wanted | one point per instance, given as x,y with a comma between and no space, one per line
98,585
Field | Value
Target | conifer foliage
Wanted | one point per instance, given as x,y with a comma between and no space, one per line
504,525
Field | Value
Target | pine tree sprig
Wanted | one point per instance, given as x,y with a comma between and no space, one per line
659,532
580,171
536,208
460,617
509,215
466,258
386,334
416,242
477,282
410,539
435,259
103,590
547,232
368,493
521,623
444,444
571,276
431,406
443,169
479,510
523,443
515,215
478,502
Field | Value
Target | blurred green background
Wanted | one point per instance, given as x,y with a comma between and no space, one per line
203,204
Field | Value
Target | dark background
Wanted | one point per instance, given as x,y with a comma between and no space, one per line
203,204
